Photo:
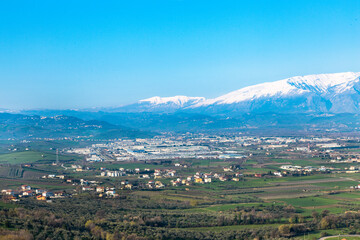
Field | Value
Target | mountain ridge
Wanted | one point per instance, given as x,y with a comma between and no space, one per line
312,103
333,93
159,104
20,126
296,85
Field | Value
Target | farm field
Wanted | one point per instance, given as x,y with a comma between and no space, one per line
30,157
250,200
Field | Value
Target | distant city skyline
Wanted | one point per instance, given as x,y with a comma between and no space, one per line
85,54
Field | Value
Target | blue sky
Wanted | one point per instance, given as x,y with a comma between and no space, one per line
77,54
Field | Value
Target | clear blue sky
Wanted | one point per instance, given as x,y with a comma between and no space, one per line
75,54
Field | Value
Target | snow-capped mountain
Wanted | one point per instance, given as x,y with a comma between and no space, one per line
320,93
181,101
338,92
303,103
161,104
291,86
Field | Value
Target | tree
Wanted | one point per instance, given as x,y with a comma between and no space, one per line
284,229
293,219
325,213
315,215
324,223
90,224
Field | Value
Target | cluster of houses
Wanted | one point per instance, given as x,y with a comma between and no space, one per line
180,165
159,173
355,187
53,176
292,168
155,184
45,195
348,160
352,169
205,178
170,173
125,172
102,191
108,173
27,191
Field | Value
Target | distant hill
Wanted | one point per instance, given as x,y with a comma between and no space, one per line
21,126
267,123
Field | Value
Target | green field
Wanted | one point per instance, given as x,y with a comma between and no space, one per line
342,184
231,228
310,201
307,212
30,157
347,195
226,207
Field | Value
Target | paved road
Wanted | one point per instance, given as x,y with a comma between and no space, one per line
341,236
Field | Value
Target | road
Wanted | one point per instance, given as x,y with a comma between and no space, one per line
339,236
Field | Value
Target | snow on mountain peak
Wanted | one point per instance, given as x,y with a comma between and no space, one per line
319,83
322,82
177,100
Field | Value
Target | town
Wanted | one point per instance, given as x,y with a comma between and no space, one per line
186,160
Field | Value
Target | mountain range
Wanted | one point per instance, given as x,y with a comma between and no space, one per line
19,126
159,104
321,93
303,104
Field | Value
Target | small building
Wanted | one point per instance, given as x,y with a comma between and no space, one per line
223,179
198,180
110,193
25,187
8,192
159,184
129,186
47,194
27,193
40,198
